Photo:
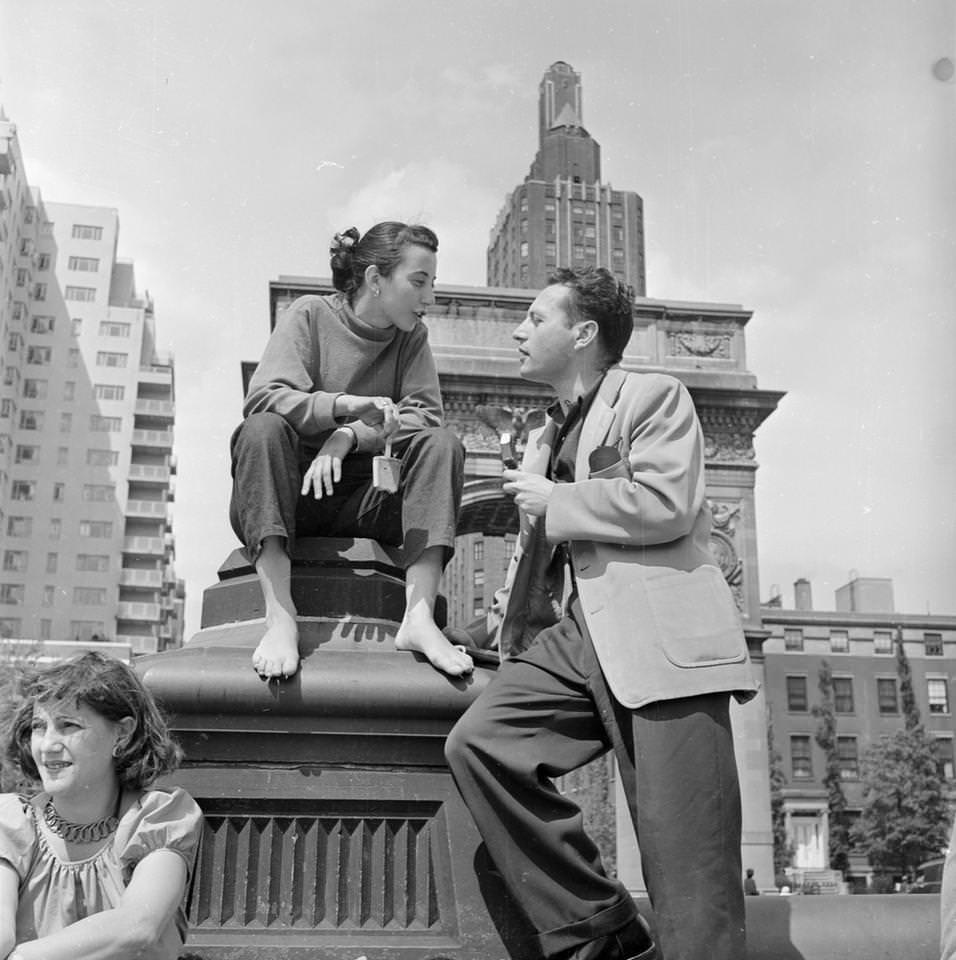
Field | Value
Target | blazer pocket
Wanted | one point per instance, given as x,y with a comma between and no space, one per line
696,618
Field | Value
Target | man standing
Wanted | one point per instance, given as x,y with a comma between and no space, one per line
617,631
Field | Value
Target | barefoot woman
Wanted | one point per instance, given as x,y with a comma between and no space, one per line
339,375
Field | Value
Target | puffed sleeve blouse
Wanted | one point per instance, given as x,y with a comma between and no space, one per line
55,893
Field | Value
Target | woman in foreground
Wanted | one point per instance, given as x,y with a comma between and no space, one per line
95,865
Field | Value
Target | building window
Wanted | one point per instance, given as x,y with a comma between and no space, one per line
933,644
92,562
80,294
883,642
83,264
10,627
56,527
102,458
34,389
39,356
46,629
937,691
524,248
109,391
887,696
87,630
59,491
62,456
801,764
99,492
39,291
27,454
7,408
478,580
15,561
11,593
848,758
23,490
85,231
843,694
31,419
509,548
66,422
76,326
69,390
89,596
797,694
944,757
41,324
478,550
43,261
100,424
100,529
105,358
52,562
110,328
839,641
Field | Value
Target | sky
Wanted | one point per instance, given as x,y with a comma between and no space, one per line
797,157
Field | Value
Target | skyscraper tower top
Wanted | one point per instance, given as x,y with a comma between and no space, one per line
562,215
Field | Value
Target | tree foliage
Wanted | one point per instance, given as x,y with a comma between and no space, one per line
911,714
905,816
826,738
782,848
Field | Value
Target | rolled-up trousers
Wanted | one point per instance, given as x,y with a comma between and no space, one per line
549,711
269,461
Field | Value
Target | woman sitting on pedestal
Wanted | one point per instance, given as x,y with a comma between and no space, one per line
340,375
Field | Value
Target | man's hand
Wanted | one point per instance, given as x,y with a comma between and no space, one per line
531,491
373,411
326,469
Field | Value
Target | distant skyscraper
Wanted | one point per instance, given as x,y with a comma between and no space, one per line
562,215
86,431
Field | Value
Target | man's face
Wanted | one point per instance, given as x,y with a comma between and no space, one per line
546,337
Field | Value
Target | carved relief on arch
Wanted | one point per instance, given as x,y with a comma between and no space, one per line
726,514
728,435
713,346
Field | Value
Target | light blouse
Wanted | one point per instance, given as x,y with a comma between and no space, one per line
54,893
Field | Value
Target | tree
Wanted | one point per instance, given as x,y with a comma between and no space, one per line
911,714
905,816
782,849
11,664
826,738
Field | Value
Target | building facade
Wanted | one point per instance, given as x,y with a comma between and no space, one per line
562,215
86,429
858,639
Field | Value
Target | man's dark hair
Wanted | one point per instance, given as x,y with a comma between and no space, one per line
596,294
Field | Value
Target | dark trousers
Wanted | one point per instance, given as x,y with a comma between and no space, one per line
547,712
269,461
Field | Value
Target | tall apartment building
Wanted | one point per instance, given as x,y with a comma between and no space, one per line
86,428
562,214
859,641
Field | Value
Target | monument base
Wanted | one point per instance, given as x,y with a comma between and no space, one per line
332,826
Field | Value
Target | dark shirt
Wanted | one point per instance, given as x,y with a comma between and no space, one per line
570,421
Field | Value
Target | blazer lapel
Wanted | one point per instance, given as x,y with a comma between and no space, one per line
597,424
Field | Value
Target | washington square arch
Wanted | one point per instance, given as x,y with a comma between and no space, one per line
702,344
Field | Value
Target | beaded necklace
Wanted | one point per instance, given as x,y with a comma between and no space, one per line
81,832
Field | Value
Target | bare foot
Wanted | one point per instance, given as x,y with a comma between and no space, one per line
427,639
277,656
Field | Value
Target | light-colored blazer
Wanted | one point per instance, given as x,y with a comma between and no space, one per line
659,612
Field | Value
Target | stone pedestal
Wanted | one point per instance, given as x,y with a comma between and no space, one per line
332,826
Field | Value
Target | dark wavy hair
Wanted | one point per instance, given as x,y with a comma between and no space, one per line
381,246
596,294
114,691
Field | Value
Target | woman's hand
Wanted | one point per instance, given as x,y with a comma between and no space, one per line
326,469
373,411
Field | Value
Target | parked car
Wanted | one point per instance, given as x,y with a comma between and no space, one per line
929,876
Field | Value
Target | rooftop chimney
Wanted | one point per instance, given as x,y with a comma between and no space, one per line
802,597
